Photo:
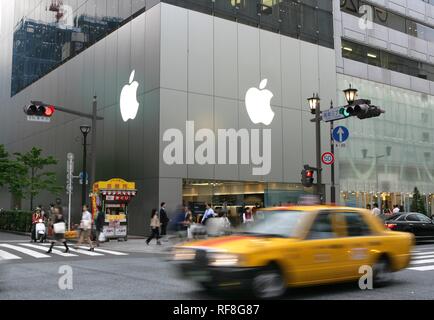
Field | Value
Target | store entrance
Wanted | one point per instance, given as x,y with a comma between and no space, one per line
385,200
231,198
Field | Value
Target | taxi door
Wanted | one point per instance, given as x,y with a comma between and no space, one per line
358,240
320,258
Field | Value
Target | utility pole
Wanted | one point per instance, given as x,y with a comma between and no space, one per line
318,150
92,178
332,148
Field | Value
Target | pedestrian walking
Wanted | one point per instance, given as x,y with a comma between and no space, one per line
396,209
164,219
376,211
248,216
99,224
85,227
59,228
155,227
209,213
188,221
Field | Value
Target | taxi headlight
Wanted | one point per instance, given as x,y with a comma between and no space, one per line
223,259
181,254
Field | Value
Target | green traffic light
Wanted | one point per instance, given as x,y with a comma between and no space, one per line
344,112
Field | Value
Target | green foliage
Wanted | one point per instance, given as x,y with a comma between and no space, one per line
4,165
35,179
418,203
16,221
25,175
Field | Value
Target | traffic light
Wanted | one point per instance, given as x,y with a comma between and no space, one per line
363,109
344,112
307,177
39,110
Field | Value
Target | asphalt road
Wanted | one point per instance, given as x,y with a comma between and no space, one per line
132,275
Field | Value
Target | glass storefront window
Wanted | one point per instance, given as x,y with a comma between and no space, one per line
379,58
390,19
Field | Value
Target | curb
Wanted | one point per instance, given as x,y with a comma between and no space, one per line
17,232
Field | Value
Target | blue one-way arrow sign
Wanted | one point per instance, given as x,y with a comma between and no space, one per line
341,134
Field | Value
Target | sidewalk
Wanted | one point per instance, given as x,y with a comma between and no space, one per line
138,245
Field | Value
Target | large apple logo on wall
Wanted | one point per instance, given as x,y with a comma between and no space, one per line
128,102
258,104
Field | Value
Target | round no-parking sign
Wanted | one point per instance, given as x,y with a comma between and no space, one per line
328,158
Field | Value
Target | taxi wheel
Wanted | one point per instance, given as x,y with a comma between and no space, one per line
269,283
382,272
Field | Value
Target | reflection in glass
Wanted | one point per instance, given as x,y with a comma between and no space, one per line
48,33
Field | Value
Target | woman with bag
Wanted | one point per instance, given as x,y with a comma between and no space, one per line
155,227
59,227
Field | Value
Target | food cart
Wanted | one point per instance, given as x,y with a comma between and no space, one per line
113,196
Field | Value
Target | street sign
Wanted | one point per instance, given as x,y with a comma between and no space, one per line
38,119
341,134
81,177
328,158
332,115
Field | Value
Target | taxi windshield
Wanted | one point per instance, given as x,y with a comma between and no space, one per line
274,224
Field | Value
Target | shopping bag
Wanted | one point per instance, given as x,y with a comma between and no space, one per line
101,237
59,227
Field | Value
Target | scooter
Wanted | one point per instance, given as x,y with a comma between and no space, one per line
40,231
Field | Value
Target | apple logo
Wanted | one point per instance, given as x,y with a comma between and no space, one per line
258,104
128,102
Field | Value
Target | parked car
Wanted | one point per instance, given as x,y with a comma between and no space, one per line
296,246
416,223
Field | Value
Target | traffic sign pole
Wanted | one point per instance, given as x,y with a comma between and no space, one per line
328,158
70,173
332,148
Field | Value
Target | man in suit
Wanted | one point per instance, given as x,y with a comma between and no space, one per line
164,219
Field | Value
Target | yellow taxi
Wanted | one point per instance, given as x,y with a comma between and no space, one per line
296,246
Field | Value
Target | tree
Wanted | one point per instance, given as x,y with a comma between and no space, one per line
4,165
418,203
11,173
31,179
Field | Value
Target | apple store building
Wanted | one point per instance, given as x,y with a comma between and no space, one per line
201,100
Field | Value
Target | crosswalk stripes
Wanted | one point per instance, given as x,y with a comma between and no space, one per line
28,252
54,251
4,255
18,251
422,261
115,253
85,252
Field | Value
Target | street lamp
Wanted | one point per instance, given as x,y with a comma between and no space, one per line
314,103
350,94
85,129
315,108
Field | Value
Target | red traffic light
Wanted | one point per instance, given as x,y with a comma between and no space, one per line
49,111
309,173
39,110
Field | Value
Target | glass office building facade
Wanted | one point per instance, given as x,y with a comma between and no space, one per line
192,59
50,32
387,157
